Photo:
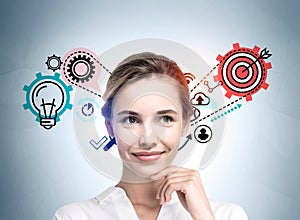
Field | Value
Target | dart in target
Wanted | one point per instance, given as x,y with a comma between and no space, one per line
243,71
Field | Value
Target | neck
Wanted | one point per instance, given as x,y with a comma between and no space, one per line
141,193
140,190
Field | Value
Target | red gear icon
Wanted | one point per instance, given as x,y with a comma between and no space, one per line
243,71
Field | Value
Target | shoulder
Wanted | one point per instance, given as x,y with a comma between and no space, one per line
86,210
75,211
71,211
228,211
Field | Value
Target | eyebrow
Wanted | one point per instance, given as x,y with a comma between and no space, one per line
167,111
161,112
127,112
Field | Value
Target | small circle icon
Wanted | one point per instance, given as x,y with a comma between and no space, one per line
203,134
87,109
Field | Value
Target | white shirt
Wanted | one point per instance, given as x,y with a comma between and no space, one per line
114,204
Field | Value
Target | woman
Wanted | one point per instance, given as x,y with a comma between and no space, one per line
147,110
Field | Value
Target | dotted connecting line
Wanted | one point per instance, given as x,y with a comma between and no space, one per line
84,88
205,77
225,113
77,84
107,70
91,91
220,109
262,80
261,64
97,61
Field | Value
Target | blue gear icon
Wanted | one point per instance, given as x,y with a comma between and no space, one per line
35,89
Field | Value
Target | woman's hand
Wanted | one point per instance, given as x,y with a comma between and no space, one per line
189,188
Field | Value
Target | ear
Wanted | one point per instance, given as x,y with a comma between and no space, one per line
109,128
185,127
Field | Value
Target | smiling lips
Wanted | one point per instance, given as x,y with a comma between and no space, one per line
148,156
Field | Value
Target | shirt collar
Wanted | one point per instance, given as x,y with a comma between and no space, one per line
115,191
109,192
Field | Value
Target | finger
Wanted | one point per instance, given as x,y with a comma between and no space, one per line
159,189
175,186
167,183
164,172
170,176
193,174
168,170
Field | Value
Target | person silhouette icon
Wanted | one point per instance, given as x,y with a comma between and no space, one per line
203,134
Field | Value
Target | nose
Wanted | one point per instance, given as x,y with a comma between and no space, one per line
148,137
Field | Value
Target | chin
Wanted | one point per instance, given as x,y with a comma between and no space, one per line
139,171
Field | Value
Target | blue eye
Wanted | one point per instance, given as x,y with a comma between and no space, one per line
130,120
166,119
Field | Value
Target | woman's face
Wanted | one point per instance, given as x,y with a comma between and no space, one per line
147,124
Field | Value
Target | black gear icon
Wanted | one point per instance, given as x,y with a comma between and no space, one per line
86,61
50,66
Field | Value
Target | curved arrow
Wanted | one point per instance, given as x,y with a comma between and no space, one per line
189,137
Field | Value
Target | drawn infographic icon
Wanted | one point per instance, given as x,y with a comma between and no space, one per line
47,97
53,63
203,134
243,71
81,68
196,114
87,109
92,136
189,77
200,99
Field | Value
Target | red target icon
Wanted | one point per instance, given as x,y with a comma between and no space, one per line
243,71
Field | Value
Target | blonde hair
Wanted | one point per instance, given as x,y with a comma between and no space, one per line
141,66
